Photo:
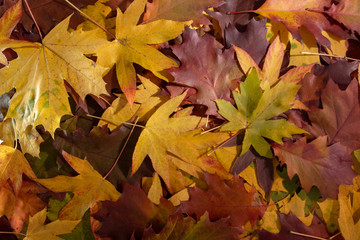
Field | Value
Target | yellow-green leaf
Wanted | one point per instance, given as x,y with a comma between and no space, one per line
254,111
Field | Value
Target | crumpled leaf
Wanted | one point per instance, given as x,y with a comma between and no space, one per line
183,152
26,203
39,71
222,199
132,46
339,117
37,231
181,228
13,165
294,16
180,10
208,71
88,187
317,164
254,111
132,213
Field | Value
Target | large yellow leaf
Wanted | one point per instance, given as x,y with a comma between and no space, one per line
39,71
12,165
38,231
132,46
172,145
88,187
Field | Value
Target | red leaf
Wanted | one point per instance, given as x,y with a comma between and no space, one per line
223,199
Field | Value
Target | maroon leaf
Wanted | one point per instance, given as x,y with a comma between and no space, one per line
339,118
252,40
132,213
206,68
222,199
317,165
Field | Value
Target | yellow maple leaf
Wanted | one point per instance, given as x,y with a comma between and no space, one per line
39,71
12,165
88,187
177,146
8,22
38,231
132,46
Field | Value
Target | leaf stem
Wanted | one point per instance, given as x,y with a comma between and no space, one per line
91,20
211,129
4,232
112,121
122,150
306,235
330,55
33,18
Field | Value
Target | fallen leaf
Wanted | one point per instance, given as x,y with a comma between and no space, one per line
26,203
338,119
252,40
290,223
180,10
208,71
8,22
179,227
317,164
39,71
222,199
182,152
132,213
88,187
294,16
13,165
132,46
36,229
254,111
347,12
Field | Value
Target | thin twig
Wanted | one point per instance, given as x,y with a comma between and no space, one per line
222,144
334,236
122,149
306,235
330,55
14,233
112,121
211,129
91,20
33,18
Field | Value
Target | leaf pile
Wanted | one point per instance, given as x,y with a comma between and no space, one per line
179,120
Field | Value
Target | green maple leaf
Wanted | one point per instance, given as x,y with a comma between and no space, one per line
254,110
